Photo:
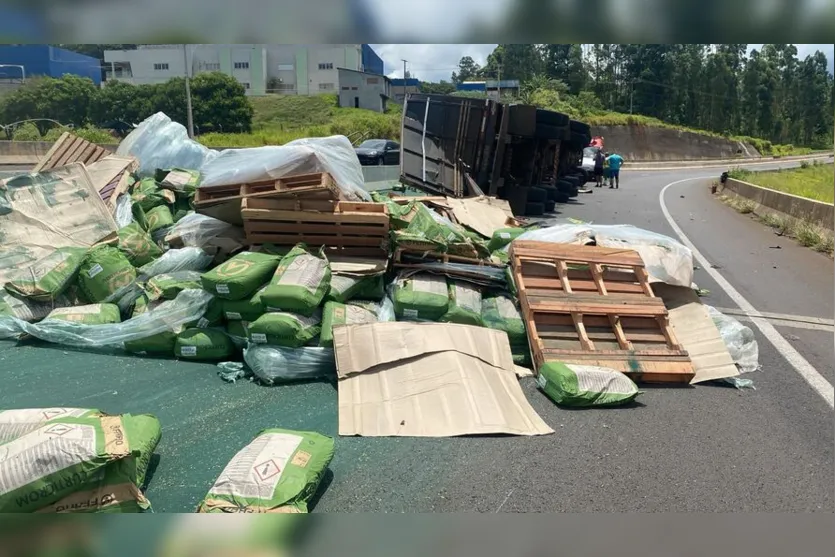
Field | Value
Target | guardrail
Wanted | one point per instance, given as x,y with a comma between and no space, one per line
786,204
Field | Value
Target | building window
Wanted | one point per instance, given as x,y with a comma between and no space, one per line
326,87
346,88
246,85
285,87
325,65
163,66
241,65
211,66
354,88
373,80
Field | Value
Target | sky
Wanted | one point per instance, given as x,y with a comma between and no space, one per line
434,62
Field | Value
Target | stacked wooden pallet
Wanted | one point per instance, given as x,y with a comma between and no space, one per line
593,305
343,227
70,148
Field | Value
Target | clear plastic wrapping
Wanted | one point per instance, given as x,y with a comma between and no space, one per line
277,364
124,210
195,230
176,260
334,154
740,340
159,142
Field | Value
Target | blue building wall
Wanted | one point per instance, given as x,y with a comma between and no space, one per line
399,82
371,61
476,86
45,60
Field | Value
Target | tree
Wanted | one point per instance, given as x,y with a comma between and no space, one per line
66,100
468,69
565,62
513,61
442,88
220,104
118,101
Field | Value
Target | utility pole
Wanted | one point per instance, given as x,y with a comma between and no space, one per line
404,79
631,91
499,83
190,114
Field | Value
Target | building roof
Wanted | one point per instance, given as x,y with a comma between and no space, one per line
370,74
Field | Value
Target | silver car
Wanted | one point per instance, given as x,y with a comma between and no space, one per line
588,158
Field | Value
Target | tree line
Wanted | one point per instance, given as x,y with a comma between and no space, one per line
768,93
219,103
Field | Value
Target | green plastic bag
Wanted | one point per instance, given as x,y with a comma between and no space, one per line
76,454
244,310
500,313
299,284
285,329
104,271
241,276
464,304
278,472
203,344
159,344
168,285
342,314
137,245
159,218
50,277
421,297
93,314
503,236
585,386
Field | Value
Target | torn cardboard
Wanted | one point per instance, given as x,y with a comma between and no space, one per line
697,333
111,176
429,380
42,212
357,266
483,214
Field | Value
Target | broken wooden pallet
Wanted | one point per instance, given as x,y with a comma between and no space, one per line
70,148
344,227
595,306
320,185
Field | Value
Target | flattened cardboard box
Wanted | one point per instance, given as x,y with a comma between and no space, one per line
483,214
429,380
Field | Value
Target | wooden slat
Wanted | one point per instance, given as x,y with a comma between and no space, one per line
292,239
343,229
571,253
649,310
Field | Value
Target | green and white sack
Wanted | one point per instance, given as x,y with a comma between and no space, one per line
299,284
19,422
159,218
500,313
50,277
344,288
138,245
168,285
148,195
243,310
74,456
503,236
585,386
160,344
237,331
285,329
278,472
104,271
92,314
420,297
241,276
342,314
464,304
203,344
177,179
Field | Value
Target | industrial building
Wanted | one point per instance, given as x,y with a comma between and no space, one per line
22,61
401,87
261,68
366,90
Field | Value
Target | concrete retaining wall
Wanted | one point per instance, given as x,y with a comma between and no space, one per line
647,143
784,204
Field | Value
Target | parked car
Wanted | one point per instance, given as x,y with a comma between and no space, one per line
378,152
588,158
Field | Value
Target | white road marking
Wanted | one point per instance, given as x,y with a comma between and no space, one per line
729,164
792,356
787,320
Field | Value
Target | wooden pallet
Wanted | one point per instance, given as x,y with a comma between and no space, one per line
320,185
405,255
344,227
70,148
592,305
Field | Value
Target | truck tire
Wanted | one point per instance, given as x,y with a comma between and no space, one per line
551,192
573,193
564,185
562,197
573,180
550,206
537,195
534,209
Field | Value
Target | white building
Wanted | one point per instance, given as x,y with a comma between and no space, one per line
261,68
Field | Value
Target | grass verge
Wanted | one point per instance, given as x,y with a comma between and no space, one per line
812,181
806,234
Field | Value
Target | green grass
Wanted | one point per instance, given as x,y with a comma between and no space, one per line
813,181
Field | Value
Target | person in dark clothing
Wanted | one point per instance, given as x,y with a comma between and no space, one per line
599,159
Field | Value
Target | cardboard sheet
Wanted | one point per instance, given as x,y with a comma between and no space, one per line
483,214
359,266
110,177
429,380
42,212
697,333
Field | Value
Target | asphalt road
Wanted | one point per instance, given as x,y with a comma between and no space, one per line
701,449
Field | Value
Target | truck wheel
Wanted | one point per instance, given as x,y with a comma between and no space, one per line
564,185
534,209
550,206
551,192
537,195
562,197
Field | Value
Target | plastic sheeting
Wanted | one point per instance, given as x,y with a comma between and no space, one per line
195,230
666,259
124,210
740,340
277,364
189,306
176,260
159,142
334,154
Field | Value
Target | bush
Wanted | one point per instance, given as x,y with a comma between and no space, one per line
26,132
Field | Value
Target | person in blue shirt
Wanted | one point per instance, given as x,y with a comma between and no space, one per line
615,162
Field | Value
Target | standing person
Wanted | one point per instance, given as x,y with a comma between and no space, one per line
615,161
599,159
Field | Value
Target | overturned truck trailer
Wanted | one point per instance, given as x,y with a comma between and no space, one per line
461,147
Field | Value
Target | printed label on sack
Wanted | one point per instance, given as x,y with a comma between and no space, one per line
595,379
355,315
235,316
222,288
255,471
305,322
507,309
202,323
411,313
429,285
341,284
188,351
91,309
305,271
45,451
94,270
16,423
467,297
541,381
260,338
504,235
